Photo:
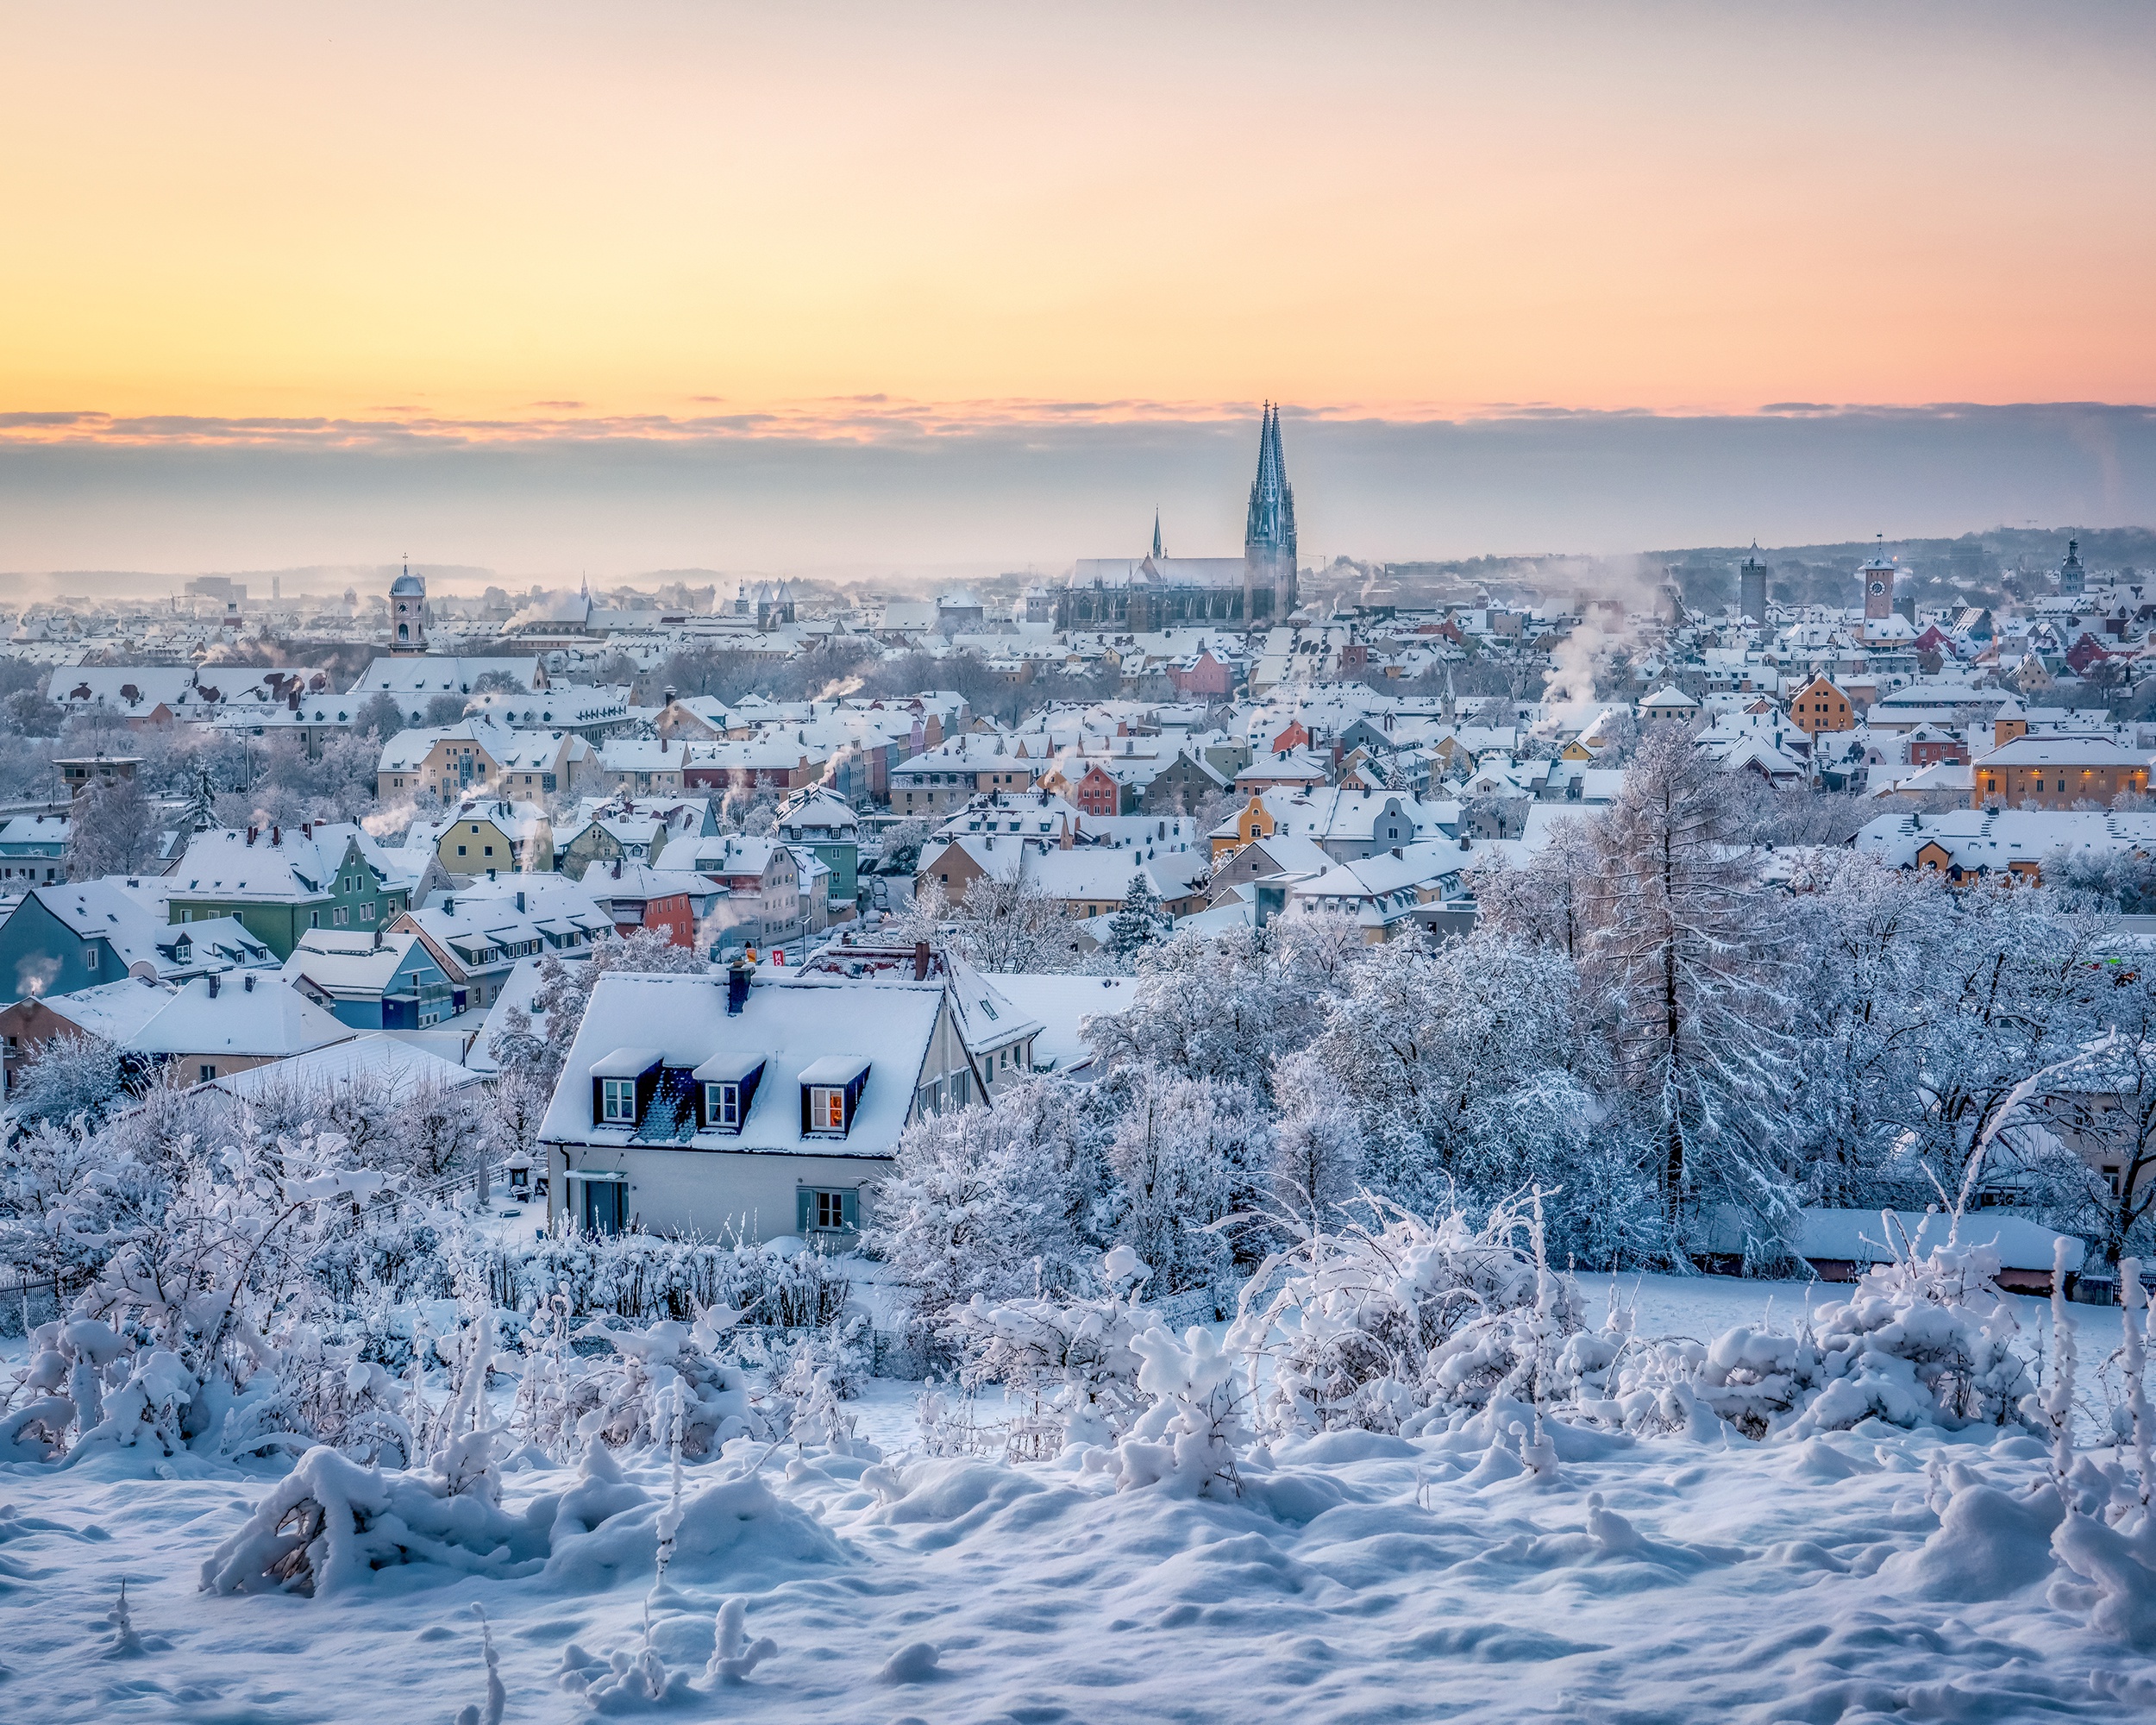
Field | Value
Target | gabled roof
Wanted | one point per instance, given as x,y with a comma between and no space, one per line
339,1066
266,1020
793,1026
114,1011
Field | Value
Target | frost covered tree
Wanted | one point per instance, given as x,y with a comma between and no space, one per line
2018,984
1476,1069
990,1201
1225,1006
70,1077
1010,924
1551,898
112,830
1685,949
1317,1157
1188,1153
1139,921
536,1041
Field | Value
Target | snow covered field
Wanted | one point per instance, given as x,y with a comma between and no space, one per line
1358,1577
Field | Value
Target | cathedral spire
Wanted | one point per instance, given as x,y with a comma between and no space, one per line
1156,550
1269,536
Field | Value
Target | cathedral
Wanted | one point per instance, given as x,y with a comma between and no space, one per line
1133,595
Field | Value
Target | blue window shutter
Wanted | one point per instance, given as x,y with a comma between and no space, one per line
850,1208
804,1201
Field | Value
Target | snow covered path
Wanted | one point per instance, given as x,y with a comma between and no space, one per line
1747,1585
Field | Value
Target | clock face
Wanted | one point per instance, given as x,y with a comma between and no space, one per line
1878,586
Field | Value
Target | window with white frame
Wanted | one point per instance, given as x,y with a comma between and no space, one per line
722,1105
617,1099
827,1107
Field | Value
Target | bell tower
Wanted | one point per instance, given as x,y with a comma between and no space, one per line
408,613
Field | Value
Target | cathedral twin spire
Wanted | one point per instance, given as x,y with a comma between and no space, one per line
1272,518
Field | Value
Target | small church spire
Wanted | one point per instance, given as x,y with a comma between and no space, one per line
1156,550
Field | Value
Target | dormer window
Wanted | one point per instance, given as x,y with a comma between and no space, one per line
617,1100
831,1094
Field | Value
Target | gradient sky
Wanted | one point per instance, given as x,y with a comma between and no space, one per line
325,246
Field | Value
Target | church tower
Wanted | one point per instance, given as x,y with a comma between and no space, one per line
408,613
1268,538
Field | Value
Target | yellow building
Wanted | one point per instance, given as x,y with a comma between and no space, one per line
1252,823
484,836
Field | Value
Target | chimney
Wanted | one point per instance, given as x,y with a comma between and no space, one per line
213,985
737,975
250,835
246,982
920,961
448,905
277,835
520,901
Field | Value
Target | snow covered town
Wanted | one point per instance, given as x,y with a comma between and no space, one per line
1419,1140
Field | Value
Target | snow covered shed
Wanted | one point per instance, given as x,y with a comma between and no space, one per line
1841,1245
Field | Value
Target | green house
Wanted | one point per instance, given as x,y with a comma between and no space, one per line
282,882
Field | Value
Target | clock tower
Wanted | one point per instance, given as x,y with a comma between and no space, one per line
1876,578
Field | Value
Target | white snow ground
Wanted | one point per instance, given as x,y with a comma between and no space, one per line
1359,1577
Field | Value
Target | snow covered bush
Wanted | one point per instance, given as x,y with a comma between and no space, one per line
1186,1440
619,1403
1921,1341
330,1523
646,1278
1080,1354
1384,1328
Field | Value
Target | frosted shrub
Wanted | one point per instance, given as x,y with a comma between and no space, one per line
1186,1440
1922,1341
1383,1328
643,1277
330,1523
624,1402
1080,1354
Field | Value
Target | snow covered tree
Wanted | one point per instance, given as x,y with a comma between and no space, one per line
989,1200
1010,924
68,1077
1316,1161
112,830
1225,1006
537,1041
1140,920
1477,1071
1549,899
1187,1152
1685,947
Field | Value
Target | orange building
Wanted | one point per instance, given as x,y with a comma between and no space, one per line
2058,772
1820,705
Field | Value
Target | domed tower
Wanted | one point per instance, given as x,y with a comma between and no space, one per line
408,613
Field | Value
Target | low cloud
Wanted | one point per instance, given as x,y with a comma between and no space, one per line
874,485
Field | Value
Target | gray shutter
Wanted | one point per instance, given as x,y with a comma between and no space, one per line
804,1208
849,1210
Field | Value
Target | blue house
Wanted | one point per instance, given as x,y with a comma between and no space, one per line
371,981
82,934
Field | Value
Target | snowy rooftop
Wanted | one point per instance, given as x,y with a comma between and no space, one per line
683,1021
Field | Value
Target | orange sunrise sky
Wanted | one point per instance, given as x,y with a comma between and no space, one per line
492,222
